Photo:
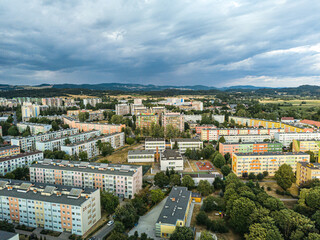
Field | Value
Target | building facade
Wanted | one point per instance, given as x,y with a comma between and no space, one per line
35,128
287,138
307,172
171,159
29,110
155,144
140,156
307,145
122,180
247,138
186,143
122,109
9,151
174,119
145,120
254,147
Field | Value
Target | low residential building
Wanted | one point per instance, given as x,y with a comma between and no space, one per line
218,118
193,118
52,207
287,120
253,147
197,177
206,126
159,110
155,144
307,172
35,128
56,143
141,156
306,145
145,120
215,133
287,138
9,151
171,159
90,146
122,109
247,138
93,115
174,119
270,162
122,180
9,164
186,143
310,123
104,128
174,213
29,143
9,235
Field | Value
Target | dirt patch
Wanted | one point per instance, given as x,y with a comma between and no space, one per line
274,187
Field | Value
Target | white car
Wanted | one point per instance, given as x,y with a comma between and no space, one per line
110,223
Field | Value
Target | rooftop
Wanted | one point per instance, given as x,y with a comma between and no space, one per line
271,154
73,135
7,235
175,206
34,124
92,139
311,165
184,140
8,147
19,156
247,143
136,152
170,154
155,139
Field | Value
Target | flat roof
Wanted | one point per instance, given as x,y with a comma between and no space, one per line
67,136
245,143
271,154
92,139
315,166
155,139
19,156
136,152
171,153
203,175
7,235
175,207
8,147
184,140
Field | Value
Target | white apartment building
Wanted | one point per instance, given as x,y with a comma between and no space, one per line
218,118
247,138
35,128
140,156
92,101
155,144
56,143
122,109
29,143
193,118
287,138
29,110
52,207
171,159
121,180
90,146
185,143
8,164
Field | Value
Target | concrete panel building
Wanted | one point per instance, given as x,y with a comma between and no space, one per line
307,172
253,147
171,159
287,138
141,156
307,145
9,151
247,138
186,143
145,120
174,119
155,144
35,128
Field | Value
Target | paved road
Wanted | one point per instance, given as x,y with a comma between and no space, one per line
103,232
188,222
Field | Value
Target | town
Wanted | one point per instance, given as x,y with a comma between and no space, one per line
116,167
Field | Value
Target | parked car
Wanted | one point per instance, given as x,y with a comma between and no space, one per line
110,223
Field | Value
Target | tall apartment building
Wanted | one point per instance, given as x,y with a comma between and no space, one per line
29,143
35,128
122,180
174,119
252,122
9,151
56,143
52,207
267,161
29,110
92,101
215,133
52,102
90,146
174,213
8,164
155,144
287,138
171,159
93,115
159,110
253,147
306,145
122,109
247,138
186,143
104,128
145,120
307,172
138,109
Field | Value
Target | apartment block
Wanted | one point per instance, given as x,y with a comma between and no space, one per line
122,109
253,147
193,118
29,110
91,101
270,162
104,128
247,138
306,145
171,159
206,126
155,144
252,122
90,146
35,128
52,102
141,156
310,123
52,207
145,120
186,143
174,213
93,115
287,138
215,133
174,119
9,151
159,110
218,118
29,143
307,172
8,164
122,180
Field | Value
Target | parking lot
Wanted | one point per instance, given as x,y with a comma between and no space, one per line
147,222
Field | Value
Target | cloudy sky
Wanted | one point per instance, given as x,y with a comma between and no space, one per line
163,42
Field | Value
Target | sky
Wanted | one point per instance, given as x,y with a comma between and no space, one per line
271,43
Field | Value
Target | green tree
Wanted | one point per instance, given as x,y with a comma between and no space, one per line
316,218
156,196
206,236
83,156
172,132
252,176
67,141
127,215
106,149
109,202
219,161
117,236
204,187
175,180
225,170
5,226
313,198
211,203
130,140
260,176
312,157
83,116
284,176
13,131
119,227
202,218
161,180
182,233
188,182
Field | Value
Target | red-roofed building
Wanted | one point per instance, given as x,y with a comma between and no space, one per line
311,122
287,119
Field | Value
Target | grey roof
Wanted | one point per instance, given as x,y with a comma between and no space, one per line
204,175
7,235
69,136
154,139
246,143
175,206
271,153
93,139
19,155
171,154
138,152
244,135
311,165
185,140
9,147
